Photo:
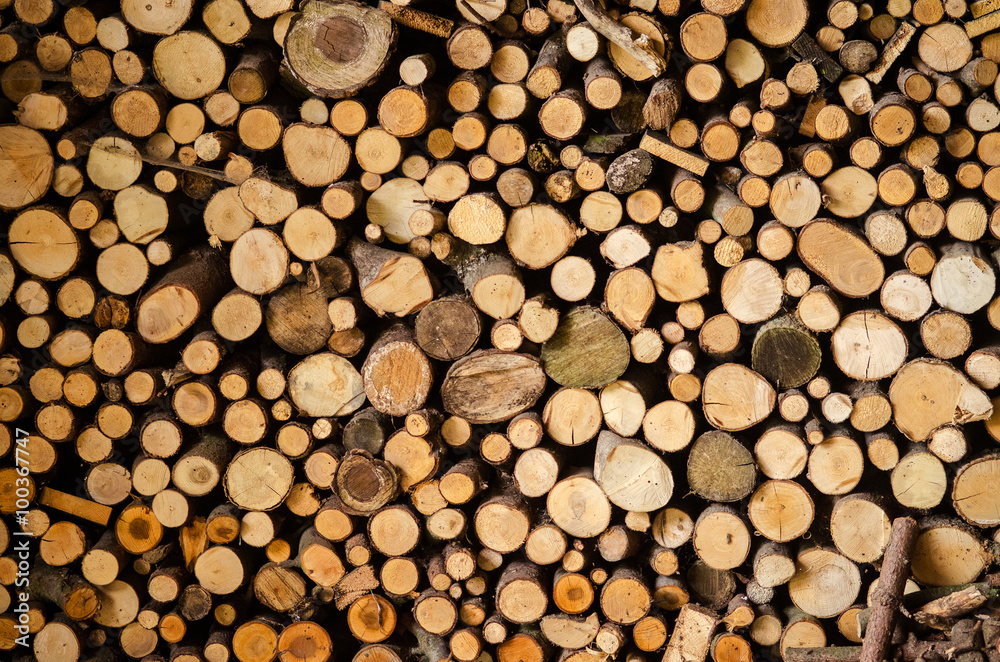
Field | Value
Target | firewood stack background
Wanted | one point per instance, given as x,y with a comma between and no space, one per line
499,331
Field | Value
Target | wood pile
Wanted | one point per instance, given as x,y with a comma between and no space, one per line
499,331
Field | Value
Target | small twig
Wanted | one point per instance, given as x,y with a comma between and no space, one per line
177,165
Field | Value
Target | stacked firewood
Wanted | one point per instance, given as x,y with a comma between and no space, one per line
499,331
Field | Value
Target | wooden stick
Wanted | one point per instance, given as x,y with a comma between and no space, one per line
889,595
73,505
823,654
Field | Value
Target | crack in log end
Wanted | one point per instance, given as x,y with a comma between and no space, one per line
340,39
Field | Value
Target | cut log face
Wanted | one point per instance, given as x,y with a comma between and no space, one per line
919,480
735,398
538,235
795,200
189,289
947,553
692,635
572,416
720,468
825,583
177,55
860,528
786,353
258,479
781,510
625,597
491,386
579,507
160,18
868,346
335,49
43,243
679,273
751,291
927,394
851,191
397,374
26,165
721,539
415,458
835,465
296,319
365,483
402,287
963,280
392,205
315,155
326,385
841,258
669,425
587,350
973,488
632,475
447,329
